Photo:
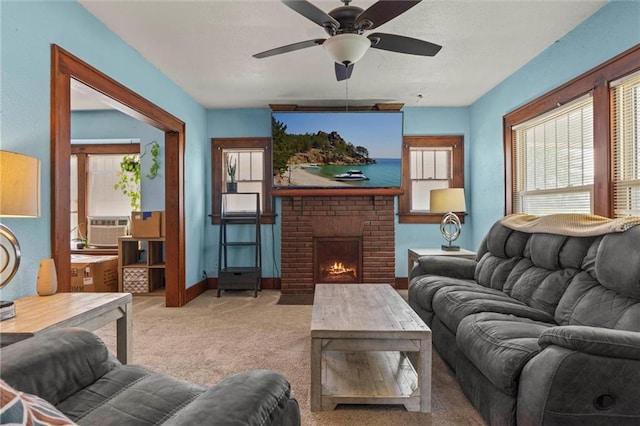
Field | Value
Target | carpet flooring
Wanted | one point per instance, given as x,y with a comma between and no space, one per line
212,337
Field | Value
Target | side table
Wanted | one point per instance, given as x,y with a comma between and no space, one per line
415,253
39,314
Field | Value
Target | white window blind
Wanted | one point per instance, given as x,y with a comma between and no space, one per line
430,168
626,146
249,175
103,198
554,161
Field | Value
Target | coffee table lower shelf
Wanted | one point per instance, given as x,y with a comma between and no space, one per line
369,378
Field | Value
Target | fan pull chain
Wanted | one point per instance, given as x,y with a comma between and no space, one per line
346,85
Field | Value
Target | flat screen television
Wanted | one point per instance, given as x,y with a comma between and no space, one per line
337,149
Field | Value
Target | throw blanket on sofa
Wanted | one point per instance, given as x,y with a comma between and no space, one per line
575,225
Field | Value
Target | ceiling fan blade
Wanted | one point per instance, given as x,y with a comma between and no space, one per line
383,11
343,72
402,44
312,13
289,48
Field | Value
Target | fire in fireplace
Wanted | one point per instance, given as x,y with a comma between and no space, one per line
337,260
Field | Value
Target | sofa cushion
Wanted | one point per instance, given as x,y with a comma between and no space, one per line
538,287
498,254
130,395
506,243
499,346
452,304
84,355
493,271
422,289
614,267
586,302
266,392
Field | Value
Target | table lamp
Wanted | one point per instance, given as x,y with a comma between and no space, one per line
19,197
448,201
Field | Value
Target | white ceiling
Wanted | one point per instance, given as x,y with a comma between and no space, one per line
206,48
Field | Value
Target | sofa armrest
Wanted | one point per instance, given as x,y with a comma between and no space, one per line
454,267
255,397
583,375
593,340
56,364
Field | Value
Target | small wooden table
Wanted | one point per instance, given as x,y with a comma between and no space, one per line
359,336
416,253
39,314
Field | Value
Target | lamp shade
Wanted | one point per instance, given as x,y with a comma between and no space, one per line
347,48
447,200
19,185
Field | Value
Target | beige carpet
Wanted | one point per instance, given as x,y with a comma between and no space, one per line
213,337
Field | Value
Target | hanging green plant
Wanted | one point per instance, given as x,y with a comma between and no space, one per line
129,175
155,165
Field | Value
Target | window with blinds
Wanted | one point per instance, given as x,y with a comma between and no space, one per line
430,168
626,146
553,161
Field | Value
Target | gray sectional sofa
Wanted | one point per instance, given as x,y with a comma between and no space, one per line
542,328
72,370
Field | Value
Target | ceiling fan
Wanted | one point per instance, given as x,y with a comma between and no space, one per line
346,26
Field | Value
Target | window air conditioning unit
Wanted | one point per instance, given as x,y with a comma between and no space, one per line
104,231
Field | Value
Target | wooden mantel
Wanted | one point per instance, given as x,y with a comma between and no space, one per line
339,192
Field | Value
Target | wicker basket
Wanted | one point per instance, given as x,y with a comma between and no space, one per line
135,280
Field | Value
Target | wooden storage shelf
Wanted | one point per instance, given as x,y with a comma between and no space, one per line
141,261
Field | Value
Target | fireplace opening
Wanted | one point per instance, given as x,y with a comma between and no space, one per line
337,260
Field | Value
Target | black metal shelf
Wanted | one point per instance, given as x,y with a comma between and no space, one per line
239,277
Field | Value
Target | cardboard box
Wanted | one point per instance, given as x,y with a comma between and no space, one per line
146,224
163,225
94,273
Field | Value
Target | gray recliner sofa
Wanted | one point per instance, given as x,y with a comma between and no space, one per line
542,328
72,370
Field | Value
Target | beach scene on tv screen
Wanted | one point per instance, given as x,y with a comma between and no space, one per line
337,149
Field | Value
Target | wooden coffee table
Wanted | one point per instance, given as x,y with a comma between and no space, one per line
360,334
39,314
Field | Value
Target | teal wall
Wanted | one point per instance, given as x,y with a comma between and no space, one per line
27,30
610,31
112,124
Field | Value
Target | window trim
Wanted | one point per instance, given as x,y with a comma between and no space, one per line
456,143
595,82
217,146
82,152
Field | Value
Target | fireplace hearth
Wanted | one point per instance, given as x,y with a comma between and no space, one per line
337,260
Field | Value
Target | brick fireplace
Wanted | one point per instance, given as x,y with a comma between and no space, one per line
363,222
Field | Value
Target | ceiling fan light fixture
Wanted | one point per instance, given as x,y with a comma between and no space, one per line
347,48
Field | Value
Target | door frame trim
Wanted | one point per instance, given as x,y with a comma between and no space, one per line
64,67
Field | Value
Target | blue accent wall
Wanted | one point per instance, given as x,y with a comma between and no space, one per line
610,31
112,124
27,30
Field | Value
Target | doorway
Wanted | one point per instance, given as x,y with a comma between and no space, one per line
64,68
